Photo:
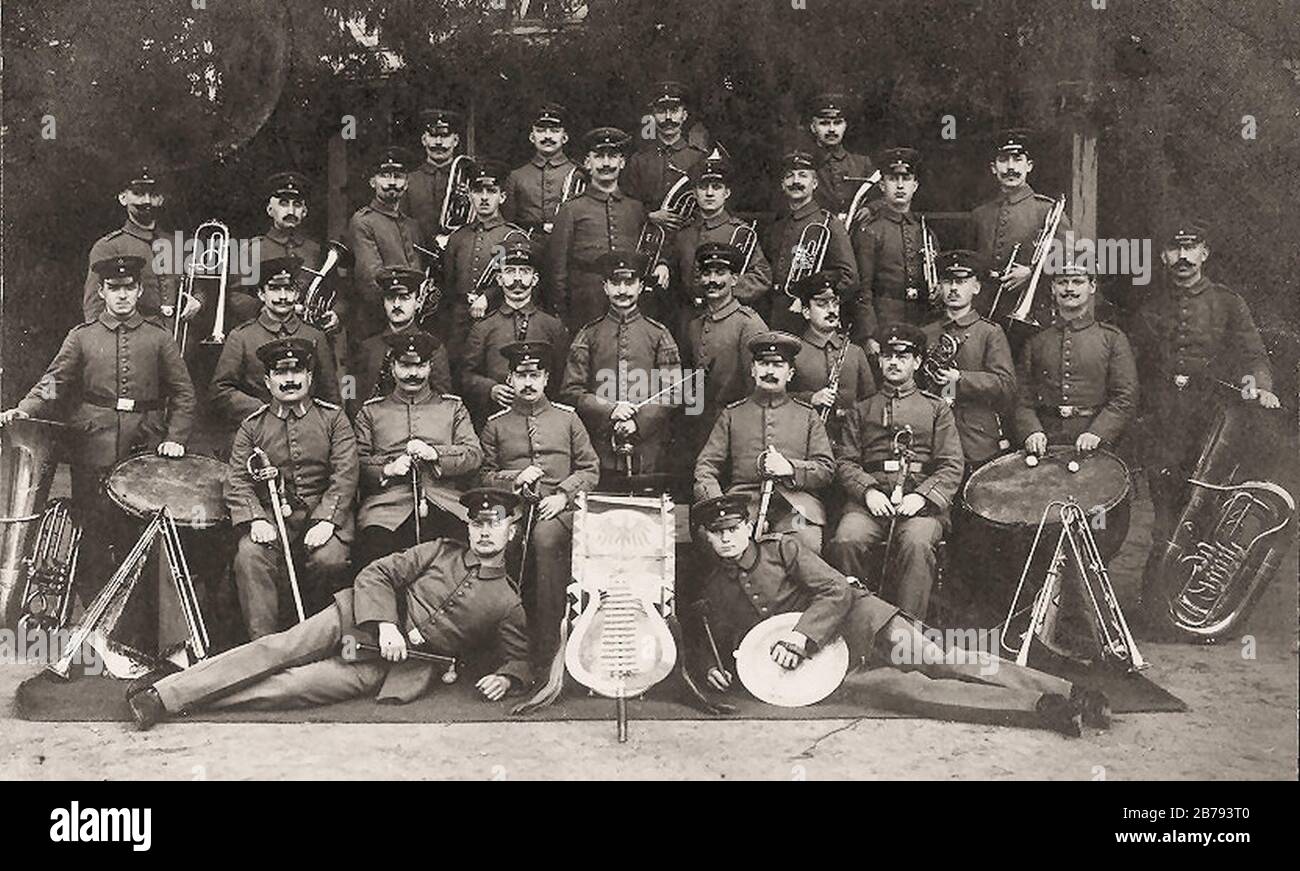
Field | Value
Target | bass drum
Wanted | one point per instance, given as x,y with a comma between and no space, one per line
1003,502
190,487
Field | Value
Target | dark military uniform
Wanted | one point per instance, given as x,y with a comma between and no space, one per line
752,287
865,460
656,167
835,169
891,269
157,289
812,372
586,228
718,343
426,187
784,243
381,236
238,381
383,428
1076,377
1191,337
469,251
987,387
631,347
372,367
1002,223
312,445
533,191
550,436
241,298
743,431
482,365
440,589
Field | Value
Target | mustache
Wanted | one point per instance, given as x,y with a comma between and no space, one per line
290,385
1181,262
412,379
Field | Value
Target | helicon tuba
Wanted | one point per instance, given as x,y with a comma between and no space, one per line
27,466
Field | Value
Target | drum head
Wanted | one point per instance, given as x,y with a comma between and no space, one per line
815,678
1007,492
189,487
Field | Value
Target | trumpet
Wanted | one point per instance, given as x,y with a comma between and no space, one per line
1002,276
681,201
929,270
208,261
809,255
455,211
319,299
833,383
574,184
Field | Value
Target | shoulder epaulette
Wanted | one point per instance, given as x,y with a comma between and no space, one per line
374,399
264,407
740,401
84,324
590,323
452,396
1107,325
748,311
936,397
562,407
244,326
655,322
324,403
1044,198
498,414
797,401
111,234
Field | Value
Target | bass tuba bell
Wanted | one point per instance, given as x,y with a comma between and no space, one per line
27,466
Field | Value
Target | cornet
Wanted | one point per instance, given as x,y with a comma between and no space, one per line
809,255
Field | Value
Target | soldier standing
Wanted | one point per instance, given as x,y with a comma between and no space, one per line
382,234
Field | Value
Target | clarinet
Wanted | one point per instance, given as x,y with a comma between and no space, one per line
833,383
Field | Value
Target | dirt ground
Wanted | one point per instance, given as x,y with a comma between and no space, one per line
1242,725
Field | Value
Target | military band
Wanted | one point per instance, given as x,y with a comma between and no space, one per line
756,399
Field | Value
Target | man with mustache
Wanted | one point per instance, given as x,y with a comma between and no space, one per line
382,234
839,171
1077,379
239,380
751,579
484,372
532,191
889,250
666,157
400,286
868,472
771,435
717,340
799,183
1014,217
980,385
713,224
1190,333
312,446
823,343
141,198
442,598
618,361
120,384
603,219
541,447
412,428
427,184
286,205
472,250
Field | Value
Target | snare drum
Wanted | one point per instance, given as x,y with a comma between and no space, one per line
191,487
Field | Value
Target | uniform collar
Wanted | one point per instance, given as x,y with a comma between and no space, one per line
732,306
377,205
833,340
401,331
288,238
556,160
897,392
505,311
599,195
718,220
807,209
767,400
1195,290
134,229
424,396
838,152
431,168
487,573
283,410
532,408
897,217
113,322
1081,323
964,321
634,314
747,559
1021,193
273,326
490,223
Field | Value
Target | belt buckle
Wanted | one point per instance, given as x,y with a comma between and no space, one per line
1066,411
892,465
1181,381
125,404
912,293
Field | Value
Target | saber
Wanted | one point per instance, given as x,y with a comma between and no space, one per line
264,470
674,385
530,495
416,504
701,608
765,501
903,454
1003,276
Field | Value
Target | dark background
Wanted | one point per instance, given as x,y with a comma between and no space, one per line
220,96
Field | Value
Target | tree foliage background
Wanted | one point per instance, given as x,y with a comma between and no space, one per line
219,93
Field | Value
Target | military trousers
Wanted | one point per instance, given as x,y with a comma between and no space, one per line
262,580
544,584
909,576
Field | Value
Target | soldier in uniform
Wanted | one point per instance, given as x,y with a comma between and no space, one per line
120,383
751,579
286,205
472,251
442,597
1194,339
869,471
888,246
141,199
1015,217
382,234
717,341
540,446
980,383
771,435
603,219
484,373
620,360
373,361
791,248
661,162
824,347
239,379
412,435
839,171
427,183
312,446
533,191
1077,379
714,224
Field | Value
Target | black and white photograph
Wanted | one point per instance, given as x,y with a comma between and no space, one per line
673,390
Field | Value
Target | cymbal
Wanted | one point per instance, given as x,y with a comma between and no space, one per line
813,680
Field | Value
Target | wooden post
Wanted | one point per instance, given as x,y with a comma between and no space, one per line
1083,180
336,187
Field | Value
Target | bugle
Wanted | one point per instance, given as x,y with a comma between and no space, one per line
680,200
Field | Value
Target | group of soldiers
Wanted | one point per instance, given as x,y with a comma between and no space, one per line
812,434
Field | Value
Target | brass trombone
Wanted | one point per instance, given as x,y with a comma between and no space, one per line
208,261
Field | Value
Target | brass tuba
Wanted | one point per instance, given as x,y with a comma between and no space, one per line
27,466
680,200
940,355
319,298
